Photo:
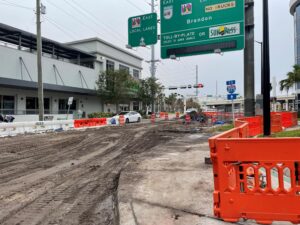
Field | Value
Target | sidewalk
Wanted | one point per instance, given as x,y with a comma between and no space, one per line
173,188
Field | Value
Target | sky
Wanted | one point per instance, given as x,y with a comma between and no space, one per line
70,20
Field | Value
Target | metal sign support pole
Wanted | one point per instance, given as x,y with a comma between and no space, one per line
233,118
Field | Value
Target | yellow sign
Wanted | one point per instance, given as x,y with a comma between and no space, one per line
222,6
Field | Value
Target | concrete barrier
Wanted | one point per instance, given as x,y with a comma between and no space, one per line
11,129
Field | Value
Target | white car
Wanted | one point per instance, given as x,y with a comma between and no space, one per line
130,117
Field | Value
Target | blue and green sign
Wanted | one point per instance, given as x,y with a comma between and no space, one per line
142,30
193,27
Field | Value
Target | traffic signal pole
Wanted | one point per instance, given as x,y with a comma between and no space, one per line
266,70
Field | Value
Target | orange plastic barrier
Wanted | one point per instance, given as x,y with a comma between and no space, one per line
255,125
162,115
257,179
94,122
81,123
187,119
276,123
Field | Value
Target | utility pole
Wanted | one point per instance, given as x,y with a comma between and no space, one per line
39,60
197,89
152,68
249,88
266,70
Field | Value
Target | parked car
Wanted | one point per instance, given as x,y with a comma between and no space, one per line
129,117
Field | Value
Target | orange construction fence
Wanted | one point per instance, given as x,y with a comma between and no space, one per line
95,122
255,178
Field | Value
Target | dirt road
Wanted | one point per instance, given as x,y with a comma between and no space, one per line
69,178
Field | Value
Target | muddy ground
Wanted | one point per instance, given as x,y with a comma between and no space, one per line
72,177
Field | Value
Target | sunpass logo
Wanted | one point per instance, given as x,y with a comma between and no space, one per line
226,30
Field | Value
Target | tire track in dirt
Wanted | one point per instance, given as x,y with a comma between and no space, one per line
79,186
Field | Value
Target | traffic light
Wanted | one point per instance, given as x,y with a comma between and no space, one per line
173,88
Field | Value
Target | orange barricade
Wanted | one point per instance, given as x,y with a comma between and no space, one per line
153,118
255,125
276,123
121,120
177,115
94,122
187,119
257,179
161,115
166,116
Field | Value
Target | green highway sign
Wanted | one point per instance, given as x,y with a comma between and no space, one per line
142,30
193,27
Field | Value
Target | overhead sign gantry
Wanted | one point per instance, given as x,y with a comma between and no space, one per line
193,27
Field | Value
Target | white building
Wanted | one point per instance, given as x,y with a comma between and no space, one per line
69,70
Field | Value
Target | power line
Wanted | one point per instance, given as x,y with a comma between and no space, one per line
95,19
59,27
87,26
86,14
135,6
4,2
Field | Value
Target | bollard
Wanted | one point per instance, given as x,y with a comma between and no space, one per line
166,116
121,120
153,118
187,119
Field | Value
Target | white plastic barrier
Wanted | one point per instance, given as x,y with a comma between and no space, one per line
10,129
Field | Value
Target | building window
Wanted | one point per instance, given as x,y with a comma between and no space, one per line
136,106
124,68
32,105
110,65
136,74
63,106
7,104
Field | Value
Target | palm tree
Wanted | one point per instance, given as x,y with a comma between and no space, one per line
292,79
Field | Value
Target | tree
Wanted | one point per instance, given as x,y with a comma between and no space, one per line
171,102
292,79
179,105
149,90
116,87
190,103
286,84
